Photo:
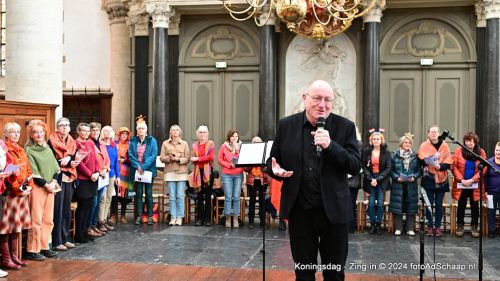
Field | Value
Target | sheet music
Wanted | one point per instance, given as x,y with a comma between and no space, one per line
251,153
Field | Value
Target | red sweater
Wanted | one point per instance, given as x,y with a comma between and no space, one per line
89,164
225,158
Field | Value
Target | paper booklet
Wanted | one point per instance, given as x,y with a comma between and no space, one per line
432,160
146,177
472,186
80,155
406,177
102,182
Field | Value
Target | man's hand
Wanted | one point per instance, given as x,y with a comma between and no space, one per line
140,170
373,183
321,138
278,171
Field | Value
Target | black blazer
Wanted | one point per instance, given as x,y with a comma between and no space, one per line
338,160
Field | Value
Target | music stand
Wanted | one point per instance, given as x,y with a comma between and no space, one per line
255,155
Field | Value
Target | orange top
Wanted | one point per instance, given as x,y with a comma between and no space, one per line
375,164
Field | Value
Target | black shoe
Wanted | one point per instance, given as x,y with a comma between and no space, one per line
377,229
491,234
373,229
208,223
49,253
198,223
34,256
82,241
282,225
91,239
251,225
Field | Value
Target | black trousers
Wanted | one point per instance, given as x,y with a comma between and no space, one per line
114,205
256,189
204,203
462,204
62,214
81,217
310,231
354,196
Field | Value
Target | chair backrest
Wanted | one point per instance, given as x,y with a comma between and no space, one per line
159,183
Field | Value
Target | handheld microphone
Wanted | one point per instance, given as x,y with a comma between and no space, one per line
321,125
444,135
426,199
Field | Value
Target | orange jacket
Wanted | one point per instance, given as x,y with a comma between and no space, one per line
458,170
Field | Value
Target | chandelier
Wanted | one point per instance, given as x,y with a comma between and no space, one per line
319,19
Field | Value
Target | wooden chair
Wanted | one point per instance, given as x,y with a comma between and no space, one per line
387,221
453,217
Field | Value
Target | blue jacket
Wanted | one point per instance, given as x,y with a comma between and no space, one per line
149,163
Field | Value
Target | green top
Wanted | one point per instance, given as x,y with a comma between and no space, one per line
42,161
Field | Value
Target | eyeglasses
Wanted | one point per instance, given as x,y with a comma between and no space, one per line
318,100
63,125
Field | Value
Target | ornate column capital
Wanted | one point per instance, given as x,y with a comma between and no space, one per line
138,18
492,9
173,26
480,13
268,17
117,11
160,12
375,13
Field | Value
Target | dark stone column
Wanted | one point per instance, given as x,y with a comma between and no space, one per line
160,13
491,97
267,83
480,79
161,103
173,79
141,87
371,78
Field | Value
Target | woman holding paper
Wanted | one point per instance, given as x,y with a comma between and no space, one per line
406,169
16,209
437,158
107,138
103,181
232,177
142,153
466,177
376,164
493,189
86,189
175,155
45,170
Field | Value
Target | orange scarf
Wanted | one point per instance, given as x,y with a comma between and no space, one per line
427,149
63,148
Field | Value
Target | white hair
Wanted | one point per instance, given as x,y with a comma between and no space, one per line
202,127
110,130
141,125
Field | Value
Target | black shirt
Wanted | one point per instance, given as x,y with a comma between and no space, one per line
310,192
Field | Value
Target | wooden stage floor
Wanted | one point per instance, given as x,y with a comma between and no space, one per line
64,269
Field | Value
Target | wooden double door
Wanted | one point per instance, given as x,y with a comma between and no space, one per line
221,101
413,99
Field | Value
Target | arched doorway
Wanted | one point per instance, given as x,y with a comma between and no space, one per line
221,98
413,95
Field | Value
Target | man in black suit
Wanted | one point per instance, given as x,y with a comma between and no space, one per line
315,196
